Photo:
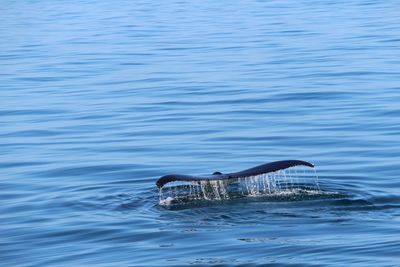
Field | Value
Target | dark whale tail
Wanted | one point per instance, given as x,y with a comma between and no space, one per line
261,169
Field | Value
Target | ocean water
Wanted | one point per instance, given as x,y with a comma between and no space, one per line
101,98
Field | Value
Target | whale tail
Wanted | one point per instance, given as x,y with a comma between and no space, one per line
218,176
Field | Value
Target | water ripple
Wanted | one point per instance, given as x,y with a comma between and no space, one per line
101,99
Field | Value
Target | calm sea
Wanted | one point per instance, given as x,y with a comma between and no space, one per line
100,98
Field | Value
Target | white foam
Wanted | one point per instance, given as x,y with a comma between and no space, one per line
166,202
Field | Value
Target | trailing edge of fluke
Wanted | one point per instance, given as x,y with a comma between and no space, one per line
261,169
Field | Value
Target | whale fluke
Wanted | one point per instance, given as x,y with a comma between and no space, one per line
261,169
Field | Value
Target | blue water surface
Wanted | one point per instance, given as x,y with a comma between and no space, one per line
100,98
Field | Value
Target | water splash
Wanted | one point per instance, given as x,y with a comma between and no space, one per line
292,181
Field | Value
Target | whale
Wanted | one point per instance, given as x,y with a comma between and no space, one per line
218,176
